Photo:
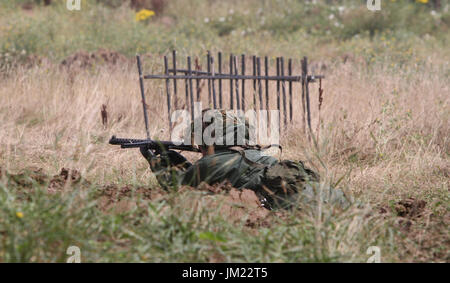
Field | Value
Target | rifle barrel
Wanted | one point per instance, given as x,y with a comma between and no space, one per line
152,144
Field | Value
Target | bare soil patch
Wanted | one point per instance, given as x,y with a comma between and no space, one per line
233,204
426,232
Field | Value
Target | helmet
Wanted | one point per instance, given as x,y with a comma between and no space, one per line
235,129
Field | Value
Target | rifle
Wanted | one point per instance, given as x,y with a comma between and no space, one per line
148,143
151,144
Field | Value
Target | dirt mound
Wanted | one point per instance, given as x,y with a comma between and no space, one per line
28,178
65,178
231,203
118,198
407,208
427,232
84,60
410,208
407,211
115,193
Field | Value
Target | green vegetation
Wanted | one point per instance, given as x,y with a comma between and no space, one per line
383,132
196,26
37,226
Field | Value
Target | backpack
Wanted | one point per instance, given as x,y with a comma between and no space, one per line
287,184
282,182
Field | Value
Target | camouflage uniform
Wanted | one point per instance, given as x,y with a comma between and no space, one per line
277,183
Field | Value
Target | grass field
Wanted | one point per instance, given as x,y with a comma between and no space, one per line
384,132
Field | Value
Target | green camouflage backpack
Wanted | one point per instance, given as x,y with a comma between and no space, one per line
289,184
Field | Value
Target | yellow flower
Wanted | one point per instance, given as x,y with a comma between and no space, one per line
144,14
19,214
422,1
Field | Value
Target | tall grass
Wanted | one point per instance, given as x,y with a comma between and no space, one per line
378,130
383,133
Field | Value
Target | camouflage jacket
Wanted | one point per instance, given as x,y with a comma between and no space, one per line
277,183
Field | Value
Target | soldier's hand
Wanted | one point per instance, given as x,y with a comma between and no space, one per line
147,153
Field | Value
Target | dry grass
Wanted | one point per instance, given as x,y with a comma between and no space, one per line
379,118
385,130
383,133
